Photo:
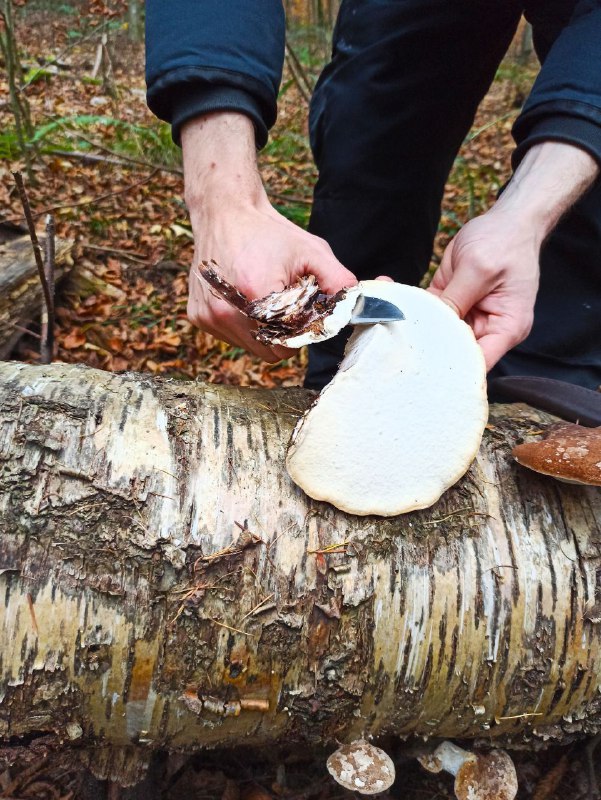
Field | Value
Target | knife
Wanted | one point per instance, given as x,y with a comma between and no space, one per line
371,310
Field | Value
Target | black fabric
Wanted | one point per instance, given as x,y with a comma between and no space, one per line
572,403
562,128
214,55
387,119
569,46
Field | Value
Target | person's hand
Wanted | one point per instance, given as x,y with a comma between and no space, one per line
489,276
489,272
259,252
257,249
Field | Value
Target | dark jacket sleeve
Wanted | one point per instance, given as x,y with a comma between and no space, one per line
565,102
214,55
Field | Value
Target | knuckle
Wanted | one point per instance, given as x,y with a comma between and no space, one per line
526,327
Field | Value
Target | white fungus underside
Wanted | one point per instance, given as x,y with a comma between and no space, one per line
402,419
330,325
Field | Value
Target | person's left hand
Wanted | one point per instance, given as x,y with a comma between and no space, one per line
489,272
489,275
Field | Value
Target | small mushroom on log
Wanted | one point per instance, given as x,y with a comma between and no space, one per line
478,776
361,767
568,452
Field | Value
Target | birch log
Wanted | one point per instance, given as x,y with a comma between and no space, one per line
21,296
164,584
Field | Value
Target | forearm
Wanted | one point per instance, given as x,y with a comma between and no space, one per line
547,183
220,166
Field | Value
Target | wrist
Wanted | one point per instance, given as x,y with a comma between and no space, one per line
220,168
549,180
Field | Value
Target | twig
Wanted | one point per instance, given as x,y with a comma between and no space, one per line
448,516
27,331
299,68
93,200
229,627
252,611
97,61
120,159
298,80
290,198
520,716
137,258
47,345
64,52
37,250
338,547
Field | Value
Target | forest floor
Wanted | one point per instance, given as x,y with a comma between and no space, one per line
124,306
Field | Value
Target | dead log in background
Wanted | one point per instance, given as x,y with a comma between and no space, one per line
21,296
137,612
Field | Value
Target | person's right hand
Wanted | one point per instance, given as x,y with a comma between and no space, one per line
256,249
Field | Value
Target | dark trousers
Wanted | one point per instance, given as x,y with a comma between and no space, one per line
388,116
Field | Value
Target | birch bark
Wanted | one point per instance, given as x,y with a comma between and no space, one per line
164,584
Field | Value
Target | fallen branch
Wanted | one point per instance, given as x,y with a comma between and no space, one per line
114,487
47,338
21,296
46,275
299,73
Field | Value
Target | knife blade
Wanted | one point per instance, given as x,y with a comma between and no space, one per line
371,310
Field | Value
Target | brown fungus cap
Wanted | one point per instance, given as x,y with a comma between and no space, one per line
567,452
361,767
487,777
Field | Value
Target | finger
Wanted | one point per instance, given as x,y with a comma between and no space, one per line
331,275
494,346
465,289
386,278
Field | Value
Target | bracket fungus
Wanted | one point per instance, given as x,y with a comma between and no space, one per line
568,452
402,419
361,767
478,776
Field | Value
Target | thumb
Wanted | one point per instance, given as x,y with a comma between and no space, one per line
458,282
494,346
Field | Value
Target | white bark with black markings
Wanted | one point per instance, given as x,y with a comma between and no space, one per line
136,611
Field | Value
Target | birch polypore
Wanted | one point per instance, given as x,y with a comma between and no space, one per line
140,609
403,417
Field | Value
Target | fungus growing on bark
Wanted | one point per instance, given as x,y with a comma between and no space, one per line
402,419
361,767
478,776
567,452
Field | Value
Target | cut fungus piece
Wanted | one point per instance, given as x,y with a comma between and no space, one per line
302,310
567,452
402,419
361,767
478,776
